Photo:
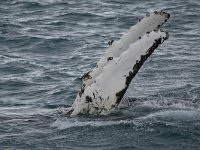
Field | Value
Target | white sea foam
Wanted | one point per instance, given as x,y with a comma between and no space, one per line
66,123
177,115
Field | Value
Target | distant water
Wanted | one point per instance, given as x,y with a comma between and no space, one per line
45,47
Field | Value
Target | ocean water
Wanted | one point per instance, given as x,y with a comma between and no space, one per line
47,45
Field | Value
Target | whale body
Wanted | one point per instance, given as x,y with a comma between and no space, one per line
104,87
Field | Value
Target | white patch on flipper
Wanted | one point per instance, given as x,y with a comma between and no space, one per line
149,23
110,86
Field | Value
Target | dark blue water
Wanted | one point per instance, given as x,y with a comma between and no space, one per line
47,45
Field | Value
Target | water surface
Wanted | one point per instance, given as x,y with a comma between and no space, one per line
47,45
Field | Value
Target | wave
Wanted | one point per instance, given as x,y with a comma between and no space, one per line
142,115
65,123
36,3
174,115
167,117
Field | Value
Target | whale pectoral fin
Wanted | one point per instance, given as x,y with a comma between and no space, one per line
112,83
104,87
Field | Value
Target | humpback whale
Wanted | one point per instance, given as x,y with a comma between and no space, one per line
104,86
